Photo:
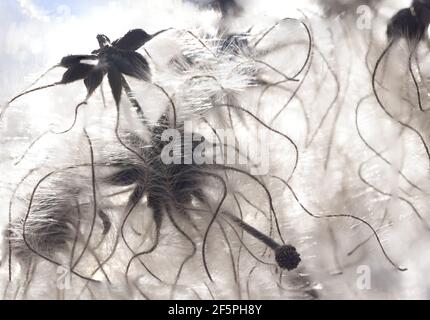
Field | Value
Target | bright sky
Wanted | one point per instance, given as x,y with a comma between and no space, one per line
35,34
25,27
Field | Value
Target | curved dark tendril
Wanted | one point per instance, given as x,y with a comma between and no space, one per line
52,132
390,195
151,249
140,291
137,255
342,216
296,161
132,99
138,195
293,96
26,219
269,216
28,277
332,103
224,196
43,75
230,250
384,53
24,93
287,78
266,190
411,71
376,152
187,258
10,221
201,42
210,209
274,26
94,195
242,233
117,124
308,59
248,291
358,246
252,204
341,104
172,104
75,240
309,56
100,266
33,90
420,73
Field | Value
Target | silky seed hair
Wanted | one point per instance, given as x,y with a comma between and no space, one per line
118,201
